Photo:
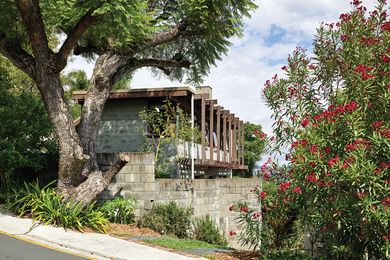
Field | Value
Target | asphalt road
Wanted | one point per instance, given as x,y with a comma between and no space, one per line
12,248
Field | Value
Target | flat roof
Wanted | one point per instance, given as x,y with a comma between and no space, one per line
181,91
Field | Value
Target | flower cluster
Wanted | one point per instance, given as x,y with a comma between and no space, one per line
284,186
332,112
364,70
265,169
356,144
297,190
312,178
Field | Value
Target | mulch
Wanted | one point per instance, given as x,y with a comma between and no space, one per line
134,233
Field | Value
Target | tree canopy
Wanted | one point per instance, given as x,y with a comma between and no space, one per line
191,33
180,39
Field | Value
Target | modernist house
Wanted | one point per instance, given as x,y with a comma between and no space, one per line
222,140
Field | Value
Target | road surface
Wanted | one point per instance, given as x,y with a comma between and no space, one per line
13,248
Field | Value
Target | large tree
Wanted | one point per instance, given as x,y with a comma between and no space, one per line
180,38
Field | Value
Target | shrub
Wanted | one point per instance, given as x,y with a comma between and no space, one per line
205,229
333,109
271,225
168,218
26,140
44,205
119,210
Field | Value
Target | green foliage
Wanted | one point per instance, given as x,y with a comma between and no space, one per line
123,25
335,113
272,224
78,80
175,243
205,229
254,142
45,205
285,254
168,218
73,81
166,125
26,133
119,210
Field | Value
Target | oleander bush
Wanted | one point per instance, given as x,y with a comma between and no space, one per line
332,115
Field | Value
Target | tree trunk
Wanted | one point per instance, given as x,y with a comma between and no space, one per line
72,157
79,177
98,92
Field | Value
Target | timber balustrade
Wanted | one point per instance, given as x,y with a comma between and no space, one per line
222,141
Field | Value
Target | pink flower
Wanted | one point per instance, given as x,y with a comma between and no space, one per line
345,17
305,122
284,186
351,106
366,76
386,26
333,161
386,58
303,142
266,176
356,2
377,124
263,135
312,178
256,215
363,69
244,209
313,148
344,37
232,233
263,194
297,190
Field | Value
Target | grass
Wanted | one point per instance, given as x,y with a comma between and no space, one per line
175,243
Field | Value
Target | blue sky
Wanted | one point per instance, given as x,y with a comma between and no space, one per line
273,31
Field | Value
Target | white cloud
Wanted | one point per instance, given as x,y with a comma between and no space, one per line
238,79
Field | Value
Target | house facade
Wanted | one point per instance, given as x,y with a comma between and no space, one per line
219,152
201,179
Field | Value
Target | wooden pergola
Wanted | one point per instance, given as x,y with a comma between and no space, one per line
228,141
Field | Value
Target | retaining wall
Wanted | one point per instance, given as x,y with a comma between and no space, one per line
206,196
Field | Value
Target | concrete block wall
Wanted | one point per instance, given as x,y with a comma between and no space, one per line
120,127
207,196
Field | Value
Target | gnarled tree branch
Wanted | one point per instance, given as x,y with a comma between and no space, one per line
73,36
33,22
165,36
17,55
179,30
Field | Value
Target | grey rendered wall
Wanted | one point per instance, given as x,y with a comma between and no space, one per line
120,127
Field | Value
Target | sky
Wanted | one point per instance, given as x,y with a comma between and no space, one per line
273,32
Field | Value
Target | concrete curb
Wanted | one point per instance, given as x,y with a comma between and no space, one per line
100,246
